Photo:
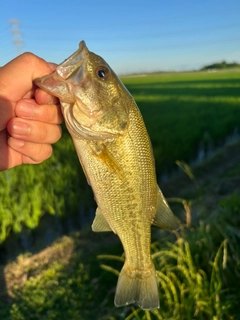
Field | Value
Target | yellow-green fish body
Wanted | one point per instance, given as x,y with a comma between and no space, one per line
116,155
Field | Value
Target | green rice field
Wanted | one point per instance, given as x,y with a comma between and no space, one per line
183,112
186,111
74,278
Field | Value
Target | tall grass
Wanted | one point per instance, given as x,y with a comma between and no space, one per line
197,271
195,280
53,187
182,111
186,291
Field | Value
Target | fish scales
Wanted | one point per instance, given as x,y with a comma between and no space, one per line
115,152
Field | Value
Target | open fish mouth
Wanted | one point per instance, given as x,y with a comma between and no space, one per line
90,95
70,66
57,84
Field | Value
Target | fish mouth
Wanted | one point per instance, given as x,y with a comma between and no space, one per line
84,112
69,66
57,84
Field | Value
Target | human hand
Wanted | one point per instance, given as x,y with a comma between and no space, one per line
29,117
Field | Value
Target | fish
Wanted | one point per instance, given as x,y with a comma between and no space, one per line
116,155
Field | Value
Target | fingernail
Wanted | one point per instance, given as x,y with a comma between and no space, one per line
21,128
15,143
25,109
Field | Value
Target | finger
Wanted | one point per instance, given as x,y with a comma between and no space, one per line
4,157
16,82
22,70
43,97
52,65
31,152
34,131
6,112
29,109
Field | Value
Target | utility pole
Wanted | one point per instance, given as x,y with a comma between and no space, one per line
17,35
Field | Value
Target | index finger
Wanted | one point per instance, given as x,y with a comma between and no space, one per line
16,77
43,97
29,109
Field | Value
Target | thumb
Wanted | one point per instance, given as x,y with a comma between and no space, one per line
16,77
16,80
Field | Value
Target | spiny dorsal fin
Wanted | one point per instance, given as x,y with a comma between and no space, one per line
99,223
165,218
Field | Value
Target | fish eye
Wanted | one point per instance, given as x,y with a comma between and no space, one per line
102,73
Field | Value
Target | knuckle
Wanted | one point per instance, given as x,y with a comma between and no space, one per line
31,59
28,56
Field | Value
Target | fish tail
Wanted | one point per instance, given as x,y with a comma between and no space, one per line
137,286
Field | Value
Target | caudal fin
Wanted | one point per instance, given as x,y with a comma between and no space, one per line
136,287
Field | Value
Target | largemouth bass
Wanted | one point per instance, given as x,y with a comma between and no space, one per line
115,152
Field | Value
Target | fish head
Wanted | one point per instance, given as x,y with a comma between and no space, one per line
95,103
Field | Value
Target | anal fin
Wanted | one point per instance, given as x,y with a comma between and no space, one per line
165,218
99,223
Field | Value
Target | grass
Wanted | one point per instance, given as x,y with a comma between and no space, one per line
198,272
198,275
182,111
186,111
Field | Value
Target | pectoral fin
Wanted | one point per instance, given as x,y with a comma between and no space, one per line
99,223
108,159
165,218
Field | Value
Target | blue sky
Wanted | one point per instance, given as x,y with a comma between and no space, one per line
132,36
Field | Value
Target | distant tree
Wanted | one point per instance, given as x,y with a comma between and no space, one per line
221,65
